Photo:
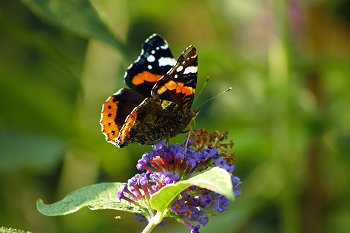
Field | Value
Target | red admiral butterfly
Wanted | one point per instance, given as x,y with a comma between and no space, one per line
158,105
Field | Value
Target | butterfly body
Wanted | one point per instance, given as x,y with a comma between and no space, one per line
155,124
159,104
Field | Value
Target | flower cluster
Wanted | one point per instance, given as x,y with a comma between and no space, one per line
168,164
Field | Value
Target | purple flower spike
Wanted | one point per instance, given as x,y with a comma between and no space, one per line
168,164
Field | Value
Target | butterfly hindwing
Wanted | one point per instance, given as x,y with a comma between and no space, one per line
115,110
178,85
154,61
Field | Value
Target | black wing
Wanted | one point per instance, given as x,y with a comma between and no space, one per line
178,85
154,61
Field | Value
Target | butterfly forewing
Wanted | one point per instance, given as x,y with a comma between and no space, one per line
154,61
178,85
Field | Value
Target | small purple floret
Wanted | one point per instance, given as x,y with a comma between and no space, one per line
179,207
160,146
141,218
203,221
211,153
122,189
195,229
221,203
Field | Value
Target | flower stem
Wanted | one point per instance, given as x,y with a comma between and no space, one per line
155,220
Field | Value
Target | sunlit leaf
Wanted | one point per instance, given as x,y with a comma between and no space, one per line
216,179
95,197
11,230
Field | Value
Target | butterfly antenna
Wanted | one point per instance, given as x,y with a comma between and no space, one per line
201,90
210,99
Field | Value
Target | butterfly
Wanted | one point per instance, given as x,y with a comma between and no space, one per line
158,103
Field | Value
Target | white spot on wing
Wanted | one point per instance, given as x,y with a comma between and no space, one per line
151,58
153,52
178,69
165,46
149,67
190,70
166,61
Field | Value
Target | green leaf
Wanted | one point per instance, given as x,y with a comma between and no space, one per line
215,179
11,230
77,16
95,197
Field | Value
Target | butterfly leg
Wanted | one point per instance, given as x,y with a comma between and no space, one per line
188,135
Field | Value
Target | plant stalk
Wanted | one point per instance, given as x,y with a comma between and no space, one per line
155,220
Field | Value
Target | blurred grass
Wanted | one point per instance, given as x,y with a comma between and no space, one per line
288,113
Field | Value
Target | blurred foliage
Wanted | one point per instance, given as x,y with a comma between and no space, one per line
288,63
11,230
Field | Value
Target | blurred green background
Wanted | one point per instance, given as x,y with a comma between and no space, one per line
288,63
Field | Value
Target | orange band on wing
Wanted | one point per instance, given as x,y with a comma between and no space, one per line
108,115
188,90
171,85
145,76
178,87
125,130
